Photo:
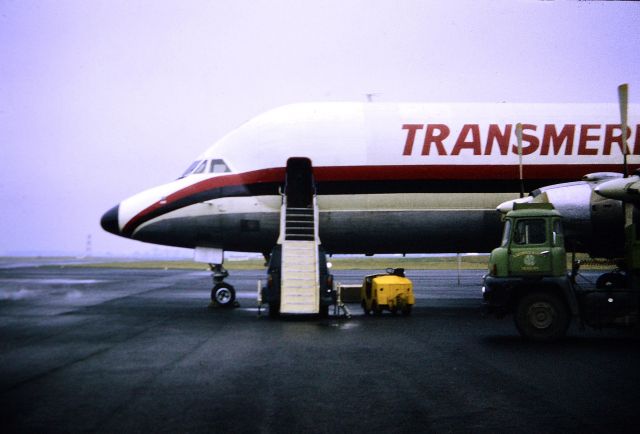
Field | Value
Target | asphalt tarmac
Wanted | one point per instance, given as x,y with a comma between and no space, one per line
95,350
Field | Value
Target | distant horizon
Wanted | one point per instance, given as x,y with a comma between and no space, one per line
188,256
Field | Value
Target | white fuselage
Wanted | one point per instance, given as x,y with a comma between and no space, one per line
398,178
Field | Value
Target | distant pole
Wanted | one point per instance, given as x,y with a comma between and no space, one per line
87,250
371,95
459,266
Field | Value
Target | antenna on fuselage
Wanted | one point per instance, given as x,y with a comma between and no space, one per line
623,100
370,96
519,137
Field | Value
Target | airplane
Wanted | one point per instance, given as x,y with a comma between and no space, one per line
395,178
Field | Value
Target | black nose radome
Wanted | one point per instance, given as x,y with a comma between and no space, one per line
109,221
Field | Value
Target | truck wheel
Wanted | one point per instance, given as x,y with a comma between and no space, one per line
223,294
541,316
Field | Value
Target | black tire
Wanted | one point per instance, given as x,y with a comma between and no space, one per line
541,316
223,295
611,281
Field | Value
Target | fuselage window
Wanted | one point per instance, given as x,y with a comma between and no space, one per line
219,166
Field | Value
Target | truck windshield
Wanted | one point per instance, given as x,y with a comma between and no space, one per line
529,231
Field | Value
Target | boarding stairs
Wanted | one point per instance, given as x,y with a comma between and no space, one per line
300,274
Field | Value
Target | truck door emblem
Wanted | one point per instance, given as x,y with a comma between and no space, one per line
529,260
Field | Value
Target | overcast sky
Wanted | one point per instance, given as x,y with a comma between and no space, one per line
102,99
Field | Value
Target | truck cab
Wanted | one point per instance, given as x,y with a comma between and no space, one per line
528,278
527,273
532,243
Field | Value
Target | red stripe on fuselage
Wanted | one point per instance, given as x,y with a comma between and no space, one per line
452,173
458,172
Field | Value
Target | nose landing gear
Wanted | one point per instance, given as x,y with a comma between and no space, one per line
222,294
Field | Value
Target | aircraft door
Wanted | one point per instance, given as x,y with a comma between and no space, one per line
299,183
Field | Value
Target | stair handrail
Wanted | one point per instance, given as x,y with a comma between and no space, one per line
283,219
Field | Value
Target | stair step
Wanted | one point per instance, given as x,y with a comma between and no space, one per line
300,290
300,286
305,211
300,227
299,238
298,232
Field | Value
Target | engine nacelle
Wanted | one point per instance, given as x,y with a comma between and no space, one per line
593,224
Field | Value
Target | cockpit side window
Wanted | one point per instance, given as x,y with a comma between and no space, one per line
219,166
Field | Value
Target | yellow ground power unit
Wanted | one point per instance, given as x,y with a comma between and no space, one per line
391,291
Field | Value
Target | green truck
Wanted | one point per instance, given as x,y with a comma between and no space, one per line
528,278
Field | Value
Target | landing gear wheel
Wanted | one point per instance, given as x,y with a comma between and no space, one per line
223,295
324,311
406,310
541,317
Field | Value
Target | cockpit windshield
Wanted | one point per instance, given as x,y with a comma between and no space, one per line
190,168
216,166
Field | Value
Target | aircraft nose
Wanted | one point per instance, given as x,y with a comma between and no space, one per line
109,221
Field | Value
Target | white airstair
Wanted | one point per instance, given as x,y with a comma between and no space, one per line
300,292
299,276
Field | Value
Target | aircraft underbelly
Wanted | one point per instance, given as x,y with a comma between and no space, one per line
410,231
340,231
